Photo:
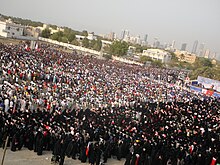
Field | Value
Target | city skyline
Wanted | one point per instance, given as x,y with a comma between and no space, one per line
182,21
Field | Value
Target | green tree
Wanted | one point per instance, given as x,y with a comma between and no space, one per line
64,39
53,26
91,44
57,36
107,56
85,42
157,63
98,45
202,62
46,33
69,33
71,37
85,33
75,42
119,48
213,73
144,59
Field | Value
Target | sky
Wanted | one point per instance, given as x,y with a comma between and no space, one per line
181,20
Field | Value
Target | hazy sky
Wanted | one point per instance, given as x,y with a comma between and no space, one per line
182,20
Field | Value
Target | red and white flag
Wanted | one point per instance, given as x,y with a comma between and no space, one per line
87,149
36,46
213,162
191,148
137,159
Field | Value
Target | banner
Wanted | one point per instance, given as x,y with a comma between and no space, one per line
205,91
209,83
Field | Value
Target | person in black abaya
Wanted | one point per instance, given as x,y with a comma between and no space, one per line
21,141
14,142
30,140
56,151
91,154
128,158
98,153
39,143
74,150
62,151
69,148
82,155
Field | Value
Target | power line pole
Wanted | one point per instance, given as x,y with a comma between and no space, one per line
5,148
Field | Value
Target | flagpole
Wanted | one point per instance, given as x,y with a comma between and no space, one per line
5,148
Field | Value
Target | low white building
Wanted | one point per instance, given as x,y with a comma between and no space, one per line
10,29
90,36
158,54
52,31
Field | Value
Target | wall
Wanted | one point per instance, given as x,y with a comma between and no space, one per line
126,60
3,33
70,46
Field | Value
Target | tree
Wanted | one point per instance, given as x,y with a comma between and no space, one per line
71,37
202,62
144,59
119,48
157,63
182,57
85,33
91,44
75,42
53,26
85,42
69,33
96,45
46,33
107,56
64,39
57,36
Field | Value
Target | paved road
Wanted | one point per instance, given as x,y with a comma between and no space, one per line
26,157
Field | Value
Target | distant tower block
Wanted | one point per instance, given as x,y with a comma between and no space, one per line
195,45
183,47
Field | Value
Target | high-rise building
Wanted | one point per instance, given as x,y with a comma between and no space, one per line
207,53
112,36
127,33
183,47
138,39
145,38
201,50
123,34
156,44
214,55
173,44
195,47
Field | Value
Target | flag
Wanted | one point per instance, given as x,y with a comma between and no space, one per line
87,149
36,46
191,148
137,159
213,162
27,48
209,92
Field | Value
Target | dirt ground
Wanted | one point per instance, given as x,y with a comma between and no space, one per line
26,157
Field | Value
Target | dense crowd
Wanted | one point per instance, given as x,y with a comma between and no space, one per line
82,107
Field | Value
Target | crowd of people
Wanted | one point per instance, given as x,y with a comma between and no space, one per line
90,109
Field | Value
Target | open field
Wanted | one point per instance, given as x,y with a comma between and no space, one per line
9,40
